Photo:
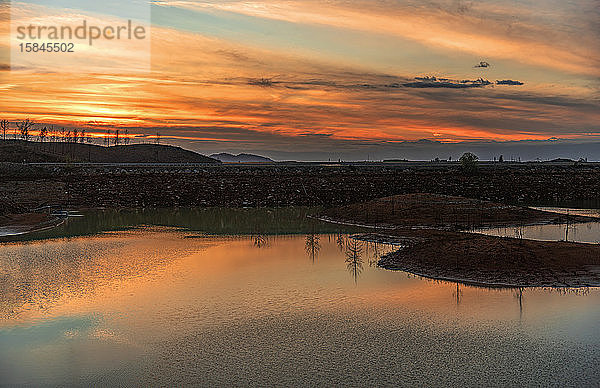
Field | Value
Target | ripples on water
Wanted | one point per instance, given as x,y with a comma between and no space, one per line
167,306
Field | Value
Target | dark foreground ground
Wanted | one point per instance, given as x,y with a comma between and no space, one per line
130,186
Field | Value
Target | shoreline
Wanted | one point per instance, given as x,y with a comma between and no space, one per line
583,277
446,253
25,227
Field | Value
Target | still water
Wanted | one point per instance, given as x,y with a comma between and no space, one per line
586,232
247,297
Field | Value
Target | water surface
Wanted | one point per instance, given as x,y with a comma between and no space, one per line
586,232
163,304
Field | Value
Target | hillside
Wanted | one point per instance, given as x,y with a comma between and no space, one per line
241,158
19,151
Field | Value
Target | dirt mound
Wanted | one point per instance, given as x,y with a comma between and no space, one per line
496,261
441,211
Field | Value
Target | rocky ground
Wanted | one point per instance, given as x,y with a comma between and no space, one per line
288,184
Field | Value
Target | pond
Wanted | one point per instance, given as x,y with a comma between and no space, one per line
267,297
587,232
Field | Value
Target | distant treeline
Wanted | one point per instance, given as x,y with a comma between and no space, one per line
28,130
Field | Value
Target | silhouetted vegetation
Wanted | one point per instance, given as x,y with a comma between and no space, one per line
4,127
468,162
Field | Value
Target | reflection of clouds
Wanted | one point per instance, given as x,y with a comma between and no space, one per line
434,82
41,273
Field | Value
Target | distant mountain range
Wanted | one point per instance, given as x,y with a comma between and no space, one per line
240,158
19,151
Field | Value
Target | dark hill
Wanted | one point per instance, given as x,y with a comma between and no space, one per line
18,151
241,158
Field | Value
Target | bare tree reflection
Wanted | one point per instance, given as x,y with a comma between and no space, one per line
519,296
259,240
457,294
374,252
340,240
353,258
312,245
258,236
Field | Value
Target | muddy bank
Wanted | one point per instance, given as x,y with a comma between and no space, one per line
16,219
23,223
422,210
426,227
494,261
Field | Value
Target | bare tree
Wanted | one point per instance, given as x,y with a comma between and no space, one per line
24,127
75,135
117,139
4,126
43,134
82,136
107,138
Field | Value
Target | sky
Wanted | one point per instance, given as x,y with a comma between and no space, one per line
318,80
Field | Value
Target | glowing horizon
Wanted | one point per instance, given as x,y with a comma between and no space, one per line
263,75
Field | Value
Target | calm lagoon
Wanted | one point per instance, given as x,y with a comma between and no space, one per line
267,297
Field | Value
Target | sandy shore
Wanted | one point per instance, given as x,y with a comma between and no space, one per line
431,249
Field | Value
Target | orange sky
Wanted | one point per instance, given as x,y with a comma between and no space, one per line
341,74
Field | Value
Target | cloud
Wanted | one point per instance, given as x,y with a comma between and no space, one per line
418,82
201,90
482,64
508,82
264,82
561,37
434,82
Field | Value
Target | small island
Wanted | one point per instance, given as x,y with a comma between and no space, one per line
433,232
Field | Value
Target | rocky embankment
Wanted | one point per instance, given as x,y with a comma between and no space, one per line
80,186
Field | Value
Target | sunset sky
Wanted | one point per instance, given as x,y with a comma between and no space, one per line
345,76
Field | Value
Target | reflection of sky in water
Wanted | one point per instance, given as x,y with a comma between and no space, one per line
42,350
588,232
163,306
